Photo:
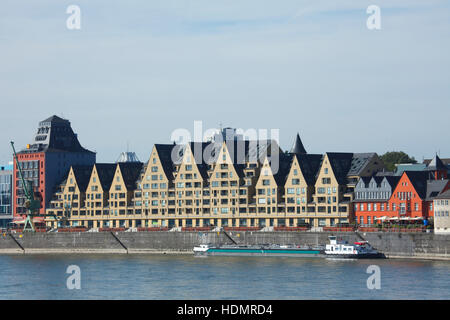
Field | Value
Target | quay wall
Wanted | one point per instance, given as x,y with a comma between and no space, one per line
406,245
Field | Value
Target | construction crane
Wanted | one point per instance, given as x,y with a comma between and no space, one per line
31,204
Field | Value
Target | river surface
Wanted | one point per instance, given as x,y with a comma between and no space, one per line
173,277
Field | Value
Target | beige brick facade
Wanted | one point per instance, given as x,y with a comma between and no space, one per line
194,193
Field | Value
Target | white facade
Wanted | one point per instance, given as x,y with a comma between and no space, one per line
442,216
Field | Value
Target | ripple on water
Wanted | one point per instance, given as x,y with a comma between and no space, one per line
186,277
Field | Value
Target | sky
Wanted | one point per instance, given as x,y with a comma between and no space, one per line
138,70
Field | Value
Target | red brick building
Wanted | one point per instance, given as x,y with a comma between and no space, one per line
407,196
46,161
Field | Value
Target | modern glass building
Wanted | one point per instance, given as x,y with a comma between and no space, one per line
6,213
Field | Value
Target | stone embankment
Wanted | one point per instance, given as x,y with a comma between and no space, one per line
394,245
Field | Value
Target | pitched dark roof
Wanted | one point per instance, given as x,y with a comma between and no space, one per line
130,173
310,165
446,161
436,164
165,156
434,188
366,181
419,180
82,176
341,164
359,163
55,119
377,179
444,195
258,150
55,134
298,147
106,173
392,180
284,165
198,150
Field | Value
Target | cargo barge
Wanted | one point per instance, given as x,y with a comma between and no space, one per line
272,250
335,249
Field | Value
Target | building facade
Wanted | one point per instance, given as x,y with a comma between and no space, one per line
46,162
226,182
442,210
372,196
409,196
6,195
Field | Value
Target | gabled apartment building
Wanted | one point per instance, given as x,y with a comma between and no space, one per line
95,196
225,182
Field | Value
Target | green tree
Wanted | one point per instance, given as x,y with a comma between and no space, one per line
392,158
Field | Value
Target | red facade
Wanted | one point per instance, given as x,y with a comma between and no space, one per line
39,189
408,199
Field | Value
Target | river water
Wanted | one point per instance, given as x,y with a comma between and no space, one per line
171,277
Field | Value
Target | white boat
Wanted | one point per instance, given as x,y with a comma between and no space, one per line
357,250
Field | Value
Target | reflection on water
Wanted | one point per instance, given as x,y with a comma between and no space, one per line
188,277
